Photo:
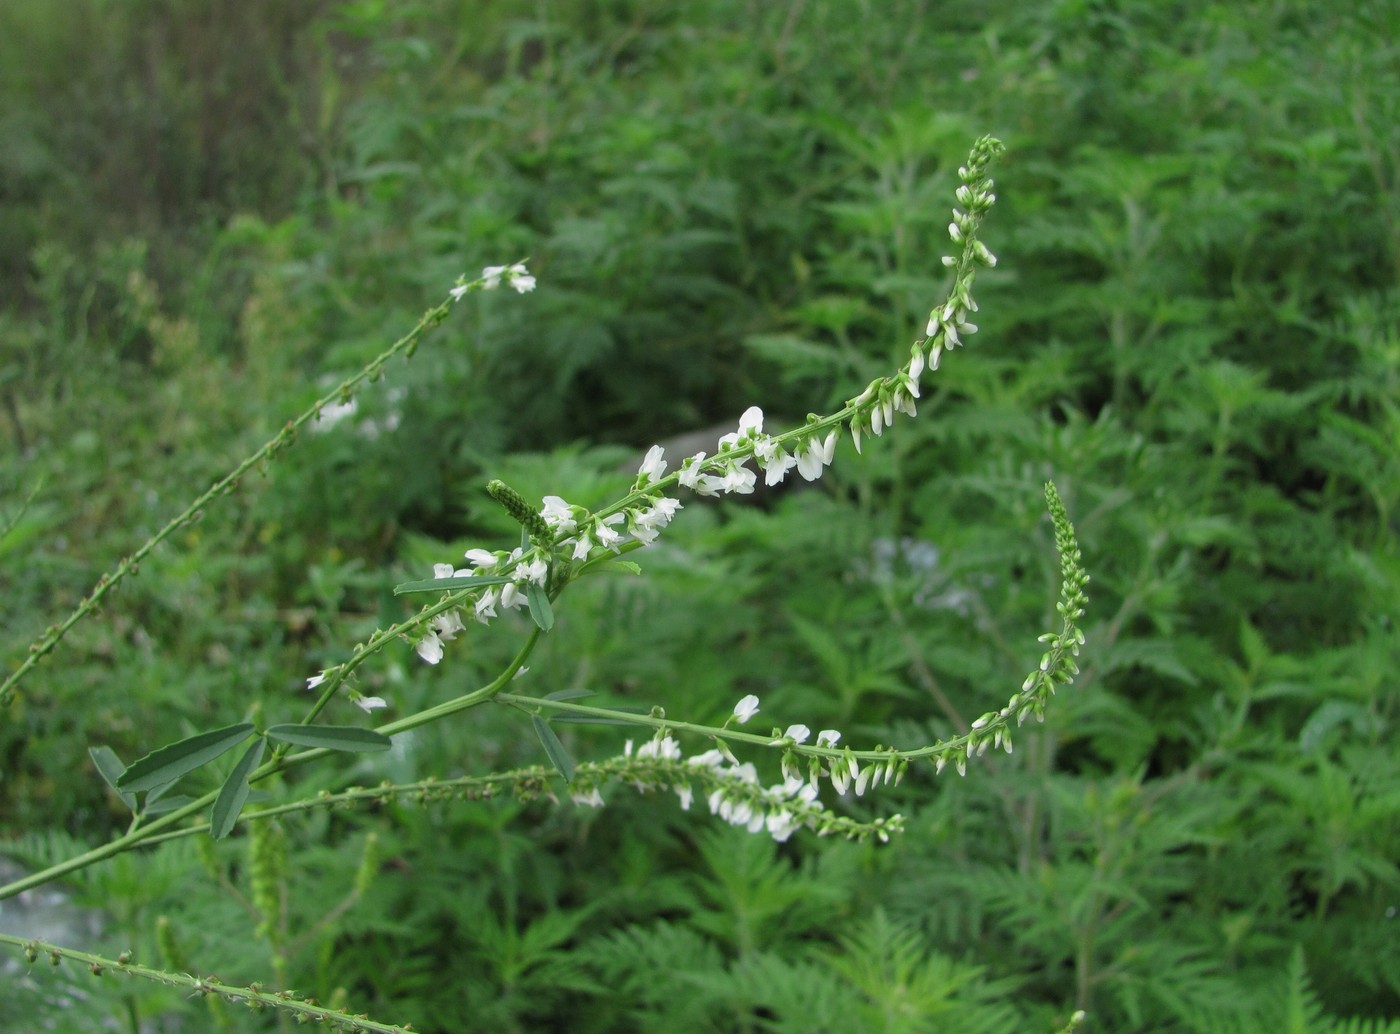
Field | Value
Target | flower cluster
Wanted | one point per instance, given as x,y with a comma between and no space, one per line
731,790
561,529
949,323
727,470
516,275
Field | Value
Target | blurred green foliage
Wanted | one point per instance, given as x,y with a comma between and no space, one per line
210,211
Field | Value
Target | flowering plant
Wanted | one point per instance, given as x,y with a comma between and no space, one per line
561,543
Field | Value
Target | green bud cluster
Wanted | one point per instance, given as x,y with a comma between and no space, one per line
514,504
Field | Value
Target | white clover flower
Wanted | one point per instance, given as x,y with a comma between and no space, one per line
558,514
903,401
782,824
713,758
686,795
709,484
582,547
446,625
482,558
535,571
662,511
690,471
511,596
645,524
368,704
665,747
773,459
653,466
746,709
604,534
442,571
429,648
815,455
516,275
750,426
828,738
796,733
316,680
485,606
590,799
739,479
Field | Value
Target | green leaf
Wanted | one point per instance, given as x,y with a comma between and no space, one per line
331,737
166,804
558,756
619,566
169,763
234,793
540,609
110,768
466,581
568,694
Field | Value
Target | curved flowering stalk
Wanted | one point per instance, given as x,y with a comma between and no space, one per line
732,789
563,541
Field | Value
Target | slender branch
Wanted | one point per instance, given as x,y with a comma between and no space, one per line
130,565
252,996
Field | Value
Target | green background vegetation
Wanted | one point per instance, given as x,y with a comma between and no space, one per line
211,211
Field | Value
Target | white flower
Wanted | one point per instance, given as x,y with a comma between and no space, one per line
446,625
458,291
738,479
827,738
316,680
690,471
442,571
750,426
604,534
660,513
746,709
511,596
485,606
368,704
665,747
653,466
815,455
516,275
558,514
582,547
796,733
429,648
686,795
591,799
535,571
774,460
483,559
781,824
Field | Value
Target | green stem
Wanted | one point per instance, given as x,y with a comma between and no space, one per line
285,1002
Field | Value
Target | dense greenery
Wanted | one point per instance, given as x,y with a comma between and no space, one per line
209,212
